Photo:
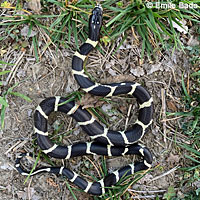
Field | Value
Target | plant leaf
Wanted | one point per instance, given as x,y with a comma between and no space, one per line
4,72
21,95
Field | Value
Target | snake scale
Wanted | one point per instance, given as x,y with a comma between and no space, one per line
104,141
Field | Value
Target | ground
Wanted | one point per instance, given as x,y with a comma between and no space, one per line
52,76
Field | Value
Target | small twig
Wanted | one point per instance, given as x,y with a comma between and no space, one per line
108,55
163,113
99,166
118,123
94,166
159,143
159,82
169,84
172,139
12,147
78,9
165,174
174,76
28,189
14,8
3,188
47,44
147,192
152,40
21,144
188,83
14,69
45,76
128,115
34,77
178,134
146,197
135,36
171,119
175,99
69,125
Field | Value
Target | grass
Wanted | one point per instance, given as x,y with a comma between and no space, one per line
152,24
191,128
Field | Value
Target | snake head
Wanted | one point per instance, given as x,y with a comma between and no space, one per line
95,23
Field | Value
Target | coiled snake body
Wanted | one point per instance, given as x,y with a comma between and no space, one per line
107,142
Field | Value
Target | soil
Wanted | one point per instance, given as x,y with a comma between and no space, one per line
51,76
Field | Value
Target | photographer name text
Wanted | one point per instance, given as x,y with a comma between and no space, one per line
181,5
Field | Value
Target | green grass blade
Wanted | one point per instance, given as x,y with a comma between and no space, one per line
193,159
74,28
34,167
3,110
47,159
3,101
18,94
5,72
5,63
185,90
36,48
119,16
184,114
98,115
195,74
70,189
190,149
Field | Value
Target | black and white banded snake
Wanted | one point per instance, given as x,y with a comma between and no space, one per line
107,142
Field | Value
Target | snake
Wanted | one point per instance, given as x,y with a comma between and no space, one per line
103,140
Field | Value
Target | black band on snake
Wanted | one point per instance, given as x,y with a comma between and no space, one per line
107,142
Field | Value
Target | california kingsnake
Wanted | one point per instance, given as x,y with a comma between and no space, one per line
107,142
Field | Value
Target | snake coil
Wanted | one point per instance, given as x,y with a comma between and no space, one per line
107,142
